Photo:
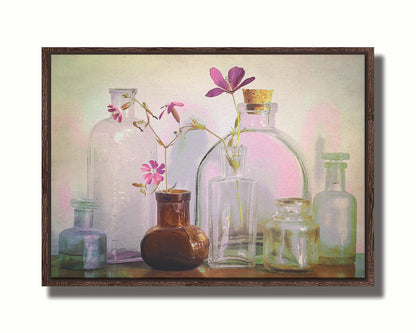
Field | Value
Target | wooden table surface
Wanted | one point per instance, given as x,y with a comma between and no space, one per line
142,270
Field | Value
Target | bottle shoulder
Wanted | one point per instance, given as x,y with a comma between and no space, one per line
227,180
334,194
334,199
111,130
306,224
73,232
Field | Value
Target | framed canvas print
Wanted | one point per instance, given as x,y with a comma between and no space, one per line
208,166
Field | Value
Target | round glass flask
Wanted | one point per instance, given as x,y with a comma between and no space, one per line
273,160
116,152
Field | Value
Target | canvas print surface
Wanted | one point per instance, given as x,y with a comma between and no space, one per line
207,166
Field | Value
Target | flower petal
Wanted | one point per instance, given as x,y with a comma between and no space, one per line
154,164
177,104
145,167
214,92
120,117
157,178
235,75
112,108
161,169
148,178
245,82
218,78
160,116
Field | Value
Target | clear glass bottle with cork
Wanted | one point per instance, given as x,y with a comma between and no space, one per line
273,160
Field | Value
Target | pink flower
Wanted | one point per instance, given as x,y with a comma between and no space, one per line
154,172
230,84
170,109
116,112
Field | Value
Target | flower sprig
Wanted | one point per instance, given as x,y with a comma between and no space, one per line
230,85
153,171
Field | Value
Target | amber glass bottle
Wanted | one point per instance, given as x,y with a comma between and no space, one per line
174,244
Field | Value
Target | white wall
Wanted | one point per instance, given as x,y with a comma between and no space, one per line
27,26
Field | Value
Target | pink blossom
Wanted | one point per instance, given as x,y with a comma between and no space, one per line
154,172
170,108
116,112
230,84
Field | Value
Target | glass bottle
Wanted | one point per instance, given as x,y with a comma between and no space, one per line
174,244
335,211
291,239
273,160
116,152
232,213
82,247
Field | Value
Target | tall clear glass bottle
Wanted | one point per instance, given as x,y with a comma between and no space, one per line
232,215
82,247
116,152
273,160
335,210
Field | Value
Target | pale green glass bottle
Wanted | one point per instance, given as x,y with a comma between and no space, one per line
335,210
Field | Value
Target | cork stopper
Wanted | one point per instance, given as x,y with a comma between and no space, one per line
257,99
257,96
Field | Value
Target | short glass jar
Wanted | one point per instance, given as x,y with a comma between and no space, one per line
291,239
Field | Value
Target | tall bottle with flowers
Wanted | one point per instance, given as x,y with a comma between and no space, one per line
273,159
173,244
114,153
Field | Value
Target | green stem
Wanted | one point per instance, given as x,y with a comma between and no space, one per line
238,120
235,170
166,171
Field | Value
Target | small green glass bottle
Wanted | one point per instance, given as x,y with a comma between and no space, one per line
335,210
82,247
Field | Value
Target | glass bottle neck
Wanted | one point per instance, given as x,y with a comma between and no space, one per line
335,176
118,100
257,116
173,209
233,161
83,218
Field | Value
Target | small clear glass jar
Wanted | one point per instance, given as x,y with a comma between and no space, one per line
291,239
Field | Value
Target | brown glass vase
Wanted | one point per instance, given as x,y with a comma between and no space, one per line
174,244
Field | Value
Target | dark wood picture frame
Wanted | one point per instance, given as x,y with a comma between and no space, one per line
48,280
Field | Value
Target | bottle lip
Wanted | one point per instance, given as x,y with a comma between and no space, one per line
236,151
173,196
258,108
84,203
335,156
122,91
292,207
